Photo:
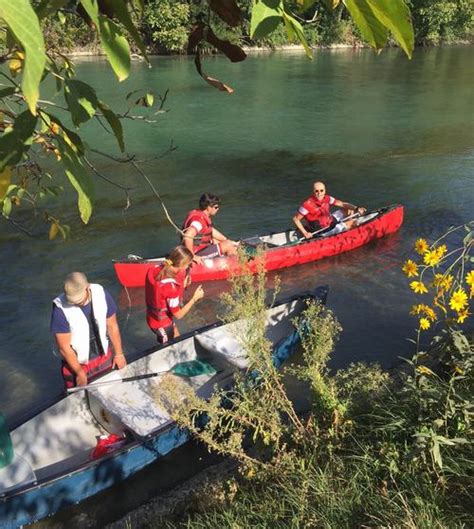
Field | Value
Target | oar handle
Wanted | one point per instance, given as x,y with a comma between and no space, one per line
115,380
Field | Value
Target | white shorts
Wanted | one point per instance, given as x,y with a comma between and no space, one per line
338,228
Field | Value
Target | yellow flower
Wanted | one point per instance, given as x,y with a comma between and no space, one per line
431,258
441,251
443,282
470,278
462,315
458,300
410,268
424,370
418,287
421,246
425,309
424,324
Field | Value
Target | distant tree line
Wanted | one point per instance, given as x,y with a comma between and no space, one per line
166,24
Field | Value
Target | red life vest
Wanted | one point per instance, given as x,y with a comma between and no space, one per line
203,237
157,292
317,210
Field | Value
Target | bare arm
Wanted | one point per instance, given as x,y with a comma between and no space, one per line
218,236
188,242
198,294
188,238
113,332
297,220
63,340
348,207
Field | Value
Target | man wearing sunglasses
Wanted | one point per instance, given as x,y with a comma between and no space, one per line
314,214
199,234
84,325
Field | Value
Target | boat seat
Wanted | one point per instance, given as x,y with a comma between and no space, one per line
127,407
19,472
222,343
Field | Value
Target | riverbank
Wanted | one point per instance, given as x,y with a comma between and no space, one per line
289,48
192,495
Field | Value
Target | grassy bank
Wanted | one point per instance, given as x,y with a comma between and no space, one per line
377,448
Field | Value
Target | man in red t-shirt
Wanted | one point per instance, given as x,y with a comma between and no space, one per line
315,213
200,236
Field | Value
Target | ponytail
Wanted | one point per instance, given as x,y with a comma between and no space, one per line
178,257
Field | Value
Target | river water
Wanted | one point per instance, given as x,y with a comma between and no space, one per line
377,129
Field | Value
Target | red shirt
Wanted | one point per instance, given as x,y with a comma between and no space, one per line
202,223
163,298
317,210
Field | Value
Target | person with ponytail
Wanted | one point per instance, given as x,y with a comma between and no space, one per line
164,288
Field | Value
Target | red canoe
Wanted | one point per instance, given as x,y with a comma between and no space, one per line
281,249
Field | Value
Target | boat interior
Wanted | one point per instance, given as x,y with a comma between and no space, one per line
275,240
63,437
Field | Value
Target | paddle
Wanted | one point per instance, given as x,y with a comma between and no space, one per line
326,228
184,369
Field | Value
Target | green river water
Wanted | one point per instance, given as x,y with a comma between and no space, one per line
377,129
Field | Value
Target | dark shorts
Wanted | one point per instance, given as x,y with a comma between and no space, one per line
164,334
313,226
213,250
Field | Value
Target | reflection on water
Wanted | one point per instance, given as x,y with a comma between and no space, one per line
378,130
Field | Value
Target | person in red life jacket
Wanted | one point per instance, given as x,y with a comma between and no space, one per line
315,213
84,325
164,288
199,235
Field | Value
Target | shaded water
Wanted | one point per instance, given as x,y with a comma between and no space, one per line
377,130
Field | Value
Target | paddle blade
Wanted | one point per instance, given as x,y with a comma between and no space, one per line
193,368
6,447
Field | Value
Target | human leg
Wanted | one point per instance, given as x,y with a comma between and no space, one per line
164,334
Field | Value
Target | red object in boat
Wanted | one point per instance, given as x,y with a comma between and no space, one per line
281,250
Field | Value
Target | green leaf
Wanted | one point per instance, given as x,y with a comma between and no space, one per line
295,30
395,15
114,122
92,10
16,140
372,30
70,136
5,92
5,179
266,16
47,7
80,179
53,231
331,4
120,10
81,100
22,21
149,98
115,46
6,207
